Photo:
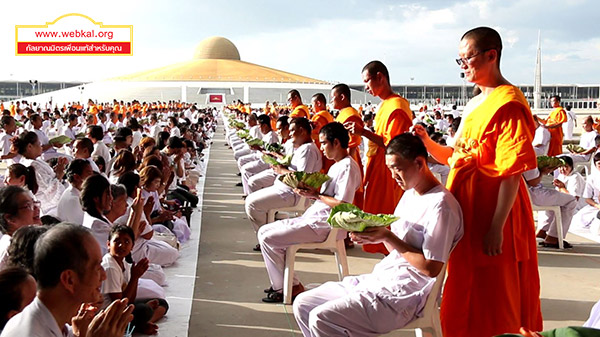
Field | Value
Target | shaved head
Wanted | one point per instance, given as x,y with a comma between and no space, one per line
342,89
485,38
319,97
375,67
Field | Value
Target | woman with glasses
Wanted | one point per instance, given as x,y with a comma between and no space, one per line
49,179
17,209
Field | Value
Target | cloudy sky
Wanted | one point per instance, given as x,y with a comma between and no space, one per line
328,40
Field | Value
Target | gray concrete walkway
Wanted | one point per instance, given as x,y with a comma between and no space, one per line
231,277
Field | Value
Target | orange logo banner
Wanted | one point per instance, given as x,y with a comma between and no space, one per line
74,34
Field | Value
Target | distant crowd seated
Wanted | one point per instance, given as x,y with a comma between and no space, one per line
123,200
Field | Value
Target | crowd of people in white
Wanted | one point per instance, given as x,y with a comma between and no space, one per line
96,201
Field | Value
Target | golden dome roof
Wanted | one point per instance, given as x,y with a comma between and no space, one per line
216,47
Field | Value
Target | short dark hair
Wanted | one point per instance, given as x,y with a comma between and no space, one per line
556,97
343,89
568,160
85,143
130,180
121,229
302,123
11,280
319,97
336,130
175,143
407,146
96,132
374,67
294,93
76,166
284,120
60,248
485,38
264,120
93,187
5,120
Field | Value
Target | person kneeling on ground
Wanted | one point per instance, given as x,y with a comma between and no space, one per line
419,243
274,238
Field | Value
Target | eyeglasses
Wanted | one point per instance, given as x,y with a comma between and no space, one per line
467,60
31,206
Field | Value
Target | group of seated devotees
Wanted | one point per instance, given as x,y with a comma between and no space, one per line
419,243
135,205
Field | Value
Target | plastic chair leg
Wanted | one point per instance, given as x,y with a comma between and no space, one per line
559,229
288,275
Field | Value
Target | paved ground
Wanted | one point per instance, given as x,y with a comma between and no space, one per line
230,277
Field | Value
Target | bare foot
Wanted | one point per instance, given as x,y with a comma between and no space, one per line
149,329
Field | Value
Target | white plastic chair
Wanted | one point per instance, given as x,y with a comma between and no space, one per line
557,218
298,209
430,322
331,243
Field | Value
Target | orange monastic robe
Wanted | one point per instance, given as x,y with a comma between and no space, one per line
382,192
489,295
320,119
346,115
556,118
300,111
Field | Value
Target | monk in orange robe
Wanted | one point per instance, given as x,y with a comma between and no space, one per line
493,284
553,123
393,117
320,118
295,101
340,99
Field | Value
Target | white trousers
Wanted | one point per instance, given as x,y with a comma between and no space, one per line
249,170
158,252
238,153
260,202
276,237
243,160
549,197
261,180
585,216
338,309
156,274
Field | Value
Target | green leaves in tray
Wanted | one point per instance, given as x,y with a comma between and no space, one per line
275,147
285,161
314,180
545,161
255,141
353,219
62,139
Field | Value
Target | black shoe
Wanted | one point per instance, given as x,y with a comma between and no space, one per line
256,248
270,290
239,184
239,174
273,297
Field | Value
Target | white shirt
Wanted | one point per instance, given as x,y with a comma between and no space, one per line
588,139
307,158
541,141
100,229
69,206
100,149
68,132
5,142
35,321
116,278
432,223
345,180
254,132
154,130
592,187
175,132
137,137
575,184
4,244
50,189
270,138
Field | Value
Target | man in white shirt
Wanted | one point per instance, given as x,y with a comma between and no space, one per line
419,243
276,237
269,137
9,126
542,196
175,132
570,124
95,134
67,265
69,206
83,150
541,140
69,129
307,158
587,141
154,126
